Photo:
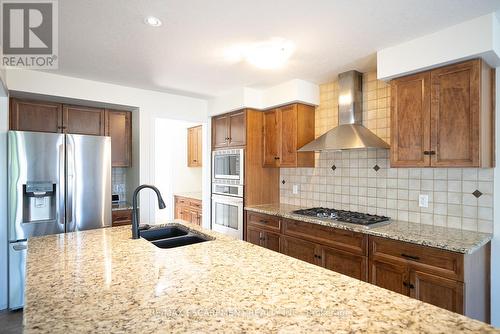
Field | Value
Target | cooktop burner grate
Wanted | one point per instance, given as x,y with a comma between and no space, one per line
344,216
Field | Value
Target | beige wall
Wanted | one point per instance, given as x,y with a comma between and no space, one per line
355,185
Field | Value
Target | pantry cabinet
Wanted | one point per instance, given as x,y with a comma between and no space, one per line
286,129
443,117
194,146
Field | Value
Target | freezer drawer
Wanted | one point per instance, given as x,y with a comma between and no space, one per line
17,273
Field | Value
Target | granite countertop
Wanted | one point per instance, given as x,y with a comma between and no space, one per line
103,281
446,238
121,206
194,195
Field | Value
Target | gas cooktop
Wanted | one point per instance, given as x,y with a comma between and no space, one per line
352,217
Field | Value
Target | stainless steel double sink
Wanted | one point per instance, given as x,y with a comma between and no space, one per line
172,236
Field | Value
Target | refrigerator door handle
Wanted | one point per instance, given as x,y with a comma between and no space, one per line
70,184
61,216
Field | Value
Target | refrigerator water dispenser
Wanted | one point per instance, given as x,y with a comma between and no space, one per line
39,201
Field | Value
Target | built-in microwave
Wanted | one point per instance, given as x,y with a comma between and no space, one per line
228,165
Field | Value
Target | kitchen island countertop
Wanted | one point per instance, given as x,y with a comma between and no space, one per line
103,281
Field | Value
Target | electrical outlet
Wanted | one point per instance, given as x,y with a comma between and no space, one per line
295,189
423,201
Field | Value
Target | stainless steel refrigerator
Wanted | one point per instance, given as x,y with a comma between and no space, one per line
57,183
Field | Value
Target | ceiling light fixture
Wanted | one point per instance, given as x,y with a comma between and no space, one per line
270,54
152,21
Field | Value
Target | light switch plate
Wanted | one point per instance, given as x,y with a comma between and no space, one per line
295,189
423,201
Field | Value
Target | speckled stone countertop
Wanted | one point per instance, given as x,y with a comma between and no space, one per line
121,206
194,195
101,281
450,239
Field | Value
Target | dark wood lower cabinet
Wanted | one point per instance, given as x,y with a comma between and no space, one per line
121,217
266,239
450,280
300,249
439,291
346,263
389,276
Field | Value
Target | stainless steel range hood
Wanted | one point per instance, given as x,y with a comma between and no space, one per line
350,134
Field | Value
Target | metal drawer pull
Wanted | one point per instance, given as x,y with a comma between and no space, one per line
409,285
410,256
263,221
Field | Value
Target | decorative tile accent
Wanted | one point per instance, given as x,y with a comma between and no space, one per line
283,181
477,193
376,168
333,167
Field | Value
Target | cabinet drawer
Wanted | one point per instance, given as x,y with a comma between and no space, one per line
195,204
427,259
264,221
121,217
181,201
352,242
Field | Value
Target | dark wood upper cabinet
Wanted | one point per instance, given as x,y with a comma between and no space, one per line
194,146
442,117
119,128
410,120
237,129
83,120
271,138
229,130
286,129
26,115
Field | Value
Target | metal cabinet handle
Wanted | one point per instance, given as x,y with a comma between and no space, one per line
411,257
429,152
263,221
276,158
19,247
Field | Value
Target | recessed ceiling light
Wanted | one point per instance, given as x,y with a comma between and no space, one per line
270,54
152,21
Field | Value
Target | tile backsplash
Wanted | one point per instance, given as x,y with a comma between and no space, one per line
119,182
361,180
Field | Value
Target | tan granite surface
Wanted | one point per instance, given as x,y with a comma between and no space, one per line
101,281
121,206
450,239
194,195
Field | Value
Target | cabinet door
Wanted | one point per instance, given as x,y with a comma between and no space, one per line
455,104
254,235
410,121
220,131
237,129
346,263
119,128
199,146
83,120
438,291
389,276
300,249
288,140
272,241
194,147
35,116
271,138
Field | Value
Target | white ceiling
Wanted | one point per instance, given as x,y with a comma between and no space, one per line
108,41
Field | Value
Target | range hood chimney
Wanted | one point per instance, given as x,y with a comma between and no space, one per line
350,134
